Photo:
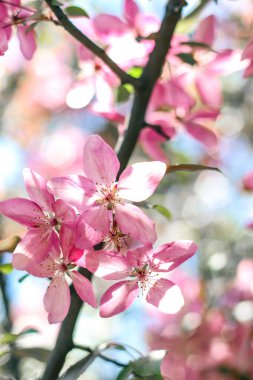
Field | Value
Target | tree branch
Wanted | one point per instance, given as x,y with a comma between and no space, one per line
85,41
148,79
143,90
64,342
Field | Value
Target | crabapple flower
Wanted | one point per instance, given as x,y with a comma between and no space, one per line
42,215
100,198
142,271
12,14
59,264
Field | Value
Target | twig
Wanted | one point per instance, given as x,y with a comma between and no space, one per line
89,44
157,128
106,358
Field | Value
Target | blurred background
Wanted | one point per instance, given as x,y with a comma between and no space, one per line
45,116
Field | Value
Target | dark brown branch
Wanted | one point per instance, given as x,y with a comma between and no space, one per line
143,90
150,75
64,342
84,40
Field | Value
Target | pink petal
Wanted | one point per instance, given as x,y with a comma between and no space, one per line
248,181
83,288
175,94
205,32
106,26
74,190
202,115
108,265
140,256
57,299
92,226
27,41
100,161
130,12
205,135
64,213
248,51
131,220
164,292
23,211
46,268
33,248
209,88
3,42
75,255
118,298
37,189
169,256
67,239
85,54
166,366
81,93
139,181
151,143
248,71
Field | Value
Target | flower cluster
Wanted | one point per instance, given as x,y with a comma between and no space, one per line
211,342
67,216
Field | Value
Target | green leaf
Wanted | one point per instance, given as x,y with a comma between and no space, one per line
125,373
74,11
146,367
135,71
163,210
9,245
122,94
8,338
6,268
187,58
189,168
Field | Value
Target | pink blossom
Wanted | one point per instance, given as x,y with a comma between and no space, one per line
42,215
142,270
60,263
100,198
11,14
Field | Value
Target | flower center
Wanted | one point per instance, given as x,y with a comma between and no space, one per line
107,195
145,277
